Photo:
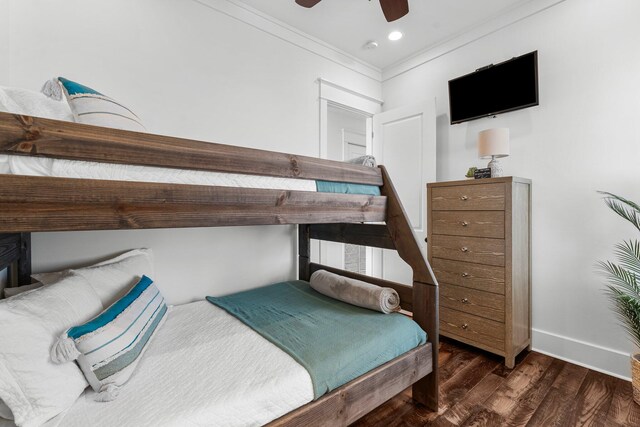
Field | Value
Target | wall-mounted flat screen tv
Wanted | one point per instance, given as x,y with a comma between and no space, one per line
494,89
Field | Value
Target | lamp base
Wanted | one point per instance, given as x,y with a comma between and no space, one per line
496,168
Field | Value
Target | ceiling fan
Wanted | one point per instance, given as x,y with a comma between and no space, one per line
392,9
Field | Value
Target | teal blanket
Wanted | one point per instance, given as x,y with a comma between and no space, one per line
347,188
334,341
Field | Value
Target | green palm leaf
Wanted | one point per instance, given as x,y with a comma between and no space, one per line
628,253
623,207
627,309
623,288
621,278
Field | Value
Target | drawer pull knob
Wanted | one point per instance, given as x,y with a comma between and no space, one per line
465,274
464,198
464,249
465,326
465,301
464,223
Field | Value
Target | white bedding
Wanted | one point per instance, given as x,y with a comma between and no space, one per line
204,368
61,168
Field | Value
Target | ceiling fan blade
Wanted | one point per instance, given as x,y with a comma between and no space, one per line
394,9
307,3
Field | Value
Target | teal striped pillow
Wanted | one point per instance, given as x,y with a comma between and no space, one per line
92,107
108,347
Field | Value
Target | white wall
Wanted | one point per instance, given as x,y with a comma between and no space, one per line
188,71
4,36
584,137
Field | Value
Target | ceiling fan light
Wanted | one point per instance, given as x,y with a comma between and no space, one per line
395,36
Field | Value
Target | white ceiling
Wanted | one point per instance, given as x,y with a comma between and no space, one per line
349,24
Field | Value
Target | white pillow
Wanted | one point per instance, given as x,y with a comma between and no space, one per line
33,387
11,292
109,346
113,278
30,103
92,107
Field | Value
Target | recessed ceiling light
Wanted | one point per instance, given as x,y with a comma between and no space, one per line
395,35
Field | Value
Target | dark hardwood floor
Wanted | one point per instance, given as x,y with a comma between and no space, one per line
477,390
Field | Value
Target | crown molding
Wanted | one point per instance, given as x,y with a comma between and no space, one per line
263,22
289,34
467,36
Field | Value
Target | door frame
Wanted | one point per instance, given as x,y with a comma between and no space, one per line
343,97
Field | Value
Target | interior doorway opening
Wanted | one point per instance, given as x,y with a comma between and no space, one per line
346,139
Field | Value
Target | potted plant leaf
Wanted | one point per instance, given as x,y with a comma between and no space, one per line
623,277
470,172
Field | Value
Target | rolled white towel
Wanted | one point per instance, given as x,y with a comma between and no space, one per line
355,292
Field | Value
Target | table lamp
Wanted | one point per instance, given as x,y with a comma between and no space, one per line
494,143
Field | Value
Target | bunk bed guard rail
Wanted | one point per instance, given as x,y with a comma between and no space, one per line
37,203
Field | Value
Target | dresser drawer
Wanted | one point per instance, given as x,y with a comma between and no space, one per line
472,329
471,249
479,303
481,197
469,223
487,278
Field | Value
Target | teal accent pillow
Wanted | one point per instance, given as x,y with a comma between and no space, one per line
74,88
92,107
347,188
109,346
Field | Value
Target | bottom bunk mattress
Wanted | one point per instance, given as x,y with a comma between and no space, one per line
205,366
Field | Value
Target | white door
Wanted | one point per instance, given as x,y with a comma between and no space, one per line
404,141
355,144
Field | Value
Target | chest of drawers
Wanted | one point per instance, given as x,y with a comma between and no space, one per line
479,235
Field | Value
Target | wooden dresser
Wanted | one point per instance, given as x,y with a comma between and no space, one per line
479,234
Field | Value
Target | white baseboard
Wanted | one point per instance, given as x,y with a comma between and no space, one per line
592,356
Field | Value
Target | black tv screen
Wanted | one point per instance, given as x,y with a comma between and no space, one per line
508,86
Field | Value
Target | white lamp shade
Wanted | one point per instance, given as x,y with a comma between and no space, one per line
493,142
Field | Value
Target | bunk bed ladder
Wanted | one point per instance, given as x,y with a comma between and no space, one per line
396,234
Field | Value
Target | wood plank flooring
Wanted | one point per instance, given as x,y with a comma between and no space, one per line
477,390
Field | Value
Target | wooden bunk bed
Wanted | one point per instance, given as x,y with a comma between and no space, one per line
39,204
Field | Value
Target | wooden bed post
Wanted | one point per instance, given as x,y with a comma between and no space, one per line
304,252
425,288
24,262
15,255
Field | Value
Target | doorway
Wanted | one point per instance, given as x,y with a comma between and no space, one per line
403,139
346,139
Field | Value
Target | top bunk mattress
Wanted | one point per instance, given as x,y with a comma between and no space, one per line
63,168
